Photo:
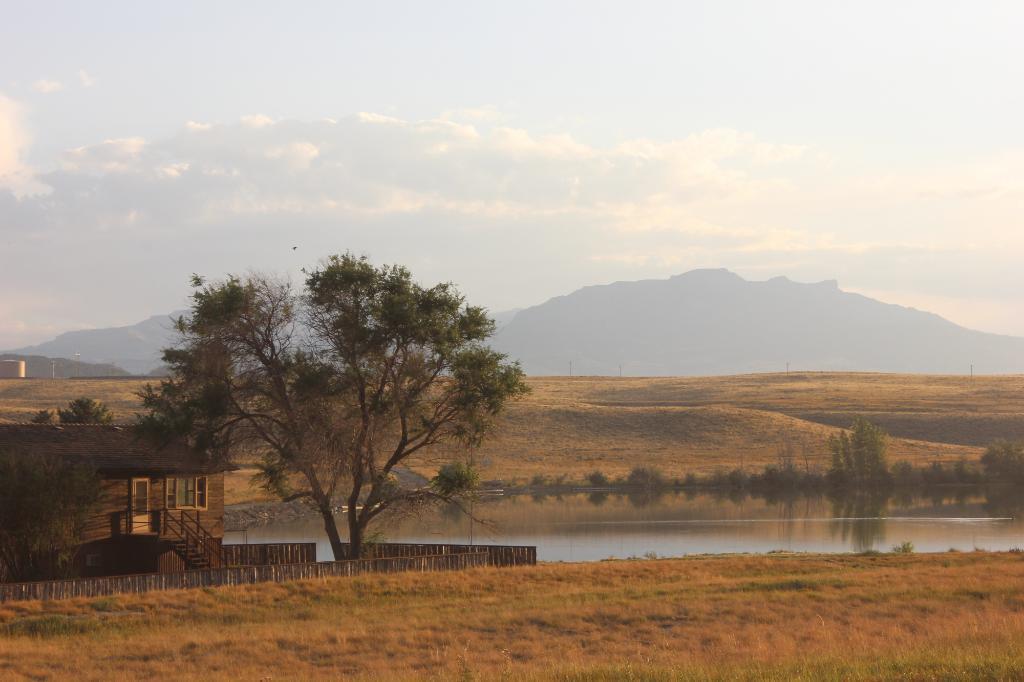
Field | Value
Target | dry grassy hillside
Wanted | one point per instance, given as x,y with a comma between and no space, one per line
572,426
21,399
707,423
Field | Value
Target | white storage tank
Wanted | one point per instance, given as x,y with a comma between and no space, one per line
12,369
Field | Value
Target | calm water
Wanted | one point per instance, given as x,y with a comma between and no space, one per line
594,526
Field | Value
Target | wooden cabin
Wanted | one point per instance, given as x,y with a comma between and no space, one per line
161,509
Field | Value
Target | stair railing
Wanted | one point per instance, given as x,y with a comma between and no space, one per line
184,525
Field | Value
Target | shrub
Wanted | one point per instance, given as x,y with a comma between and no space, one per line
597,479
86,411
44,417
647,477
905,547
737,478
455,478
1004,461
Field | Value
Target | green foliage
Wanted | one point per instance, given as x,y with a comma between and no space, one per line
859,457
335,386
647,477
1003,461
905,547
455,479
85,411
597,479
44,504
44,417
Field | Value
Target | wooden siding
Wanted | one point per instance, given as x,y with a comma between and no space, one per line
109,520
237,575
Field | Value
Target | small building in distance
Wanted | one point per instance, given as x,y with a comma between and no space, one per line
12,369
161,508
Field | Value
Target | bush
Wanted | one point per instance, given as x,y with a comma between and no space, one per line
905,547
737,478
647,477
86,411
597,479
456,478
44,417
1004,461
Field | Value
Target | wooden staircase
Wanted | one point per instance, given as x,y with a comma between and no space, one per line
196,547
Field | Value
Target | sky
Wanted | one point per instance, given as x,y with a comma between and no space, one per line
521,150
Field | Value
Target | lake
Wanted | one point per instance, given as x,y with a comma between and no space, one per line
597,525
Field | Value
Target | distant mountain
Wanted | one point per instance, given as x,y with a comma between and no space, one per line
715,322
135,348
503,317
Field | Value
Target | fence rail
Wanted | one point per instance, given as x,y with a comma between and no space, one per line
497,555
270,554
237,575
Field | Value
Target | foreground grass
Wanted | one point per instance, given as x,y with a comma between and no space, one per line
951,616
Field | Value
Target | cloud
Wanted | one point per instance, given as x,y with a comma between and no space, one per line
257,121
47,86
512,215
85,79
111,156
14,142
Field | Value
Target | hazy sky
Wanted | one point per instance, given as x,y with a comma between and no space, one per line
519,149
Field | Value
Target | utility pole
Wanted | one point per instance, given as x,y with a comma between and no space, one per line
53,369
570,368
78,365
620,371
787,367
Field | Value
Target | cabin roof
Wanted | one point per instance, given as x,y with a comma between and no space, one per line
110,449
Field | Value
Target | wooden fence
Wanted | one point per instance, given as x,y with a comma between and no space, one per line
497,555
237,575
270,554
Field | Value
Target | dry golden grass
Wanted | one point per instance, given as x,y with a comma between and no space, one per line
681,424
239,488
21,399
572,426
950,616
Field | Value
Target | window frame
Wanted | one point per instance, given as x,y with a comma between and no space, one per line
200,492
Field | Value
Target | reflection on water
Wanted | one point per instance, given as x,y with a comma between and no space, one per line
600,524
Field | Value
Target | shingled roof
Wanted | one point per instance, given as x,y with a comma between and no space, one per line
111,450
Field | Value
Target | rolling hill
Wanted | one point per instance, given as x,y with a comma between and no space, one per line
572,426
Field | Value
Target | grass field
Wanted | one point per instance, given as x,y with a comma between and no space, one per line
571,426
947,616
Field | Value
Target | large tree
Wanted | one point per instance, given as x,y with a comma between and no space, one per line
336,386
44,505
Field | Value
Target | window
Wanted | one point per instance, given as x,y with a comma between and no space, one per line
187,493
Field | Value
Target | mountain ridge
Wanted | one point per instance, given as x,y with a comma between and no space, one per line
712,321
701,322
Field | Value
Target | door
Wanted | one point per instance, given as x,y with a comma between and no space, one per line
140,506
